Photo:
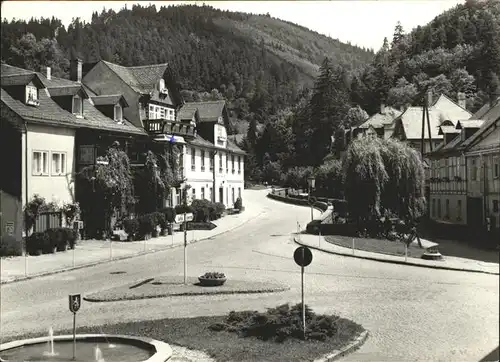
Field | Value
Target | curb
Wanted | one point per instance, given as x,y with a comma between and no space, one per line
142,253
180,294
351,347
394,261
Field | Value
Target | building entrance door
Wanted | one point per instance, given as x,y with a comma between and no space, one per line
221,194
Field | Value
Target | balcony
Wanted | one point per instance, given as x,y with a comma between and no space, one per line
162,126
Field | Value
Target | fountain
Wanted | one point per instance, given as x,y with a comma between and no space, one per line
98,354
89,347
51,351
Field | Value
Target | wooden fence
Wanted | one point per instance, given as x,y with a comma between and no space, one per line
47,220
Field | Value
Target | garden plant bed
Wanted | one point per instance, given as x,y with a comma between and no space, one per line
381,246
195,333
174,286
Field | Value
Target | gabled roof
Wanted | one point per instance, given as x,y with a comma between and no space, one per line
490,117
20,79
379,120
66,91
469,123
109,100
10,69
447,130
209,111
187,113
442,109
142,79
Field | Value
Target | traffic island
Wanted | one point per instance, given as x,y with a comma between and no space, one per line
341,336
173,286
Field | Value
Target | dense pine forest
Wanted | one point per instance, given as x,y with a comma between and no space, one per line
260,64
289,89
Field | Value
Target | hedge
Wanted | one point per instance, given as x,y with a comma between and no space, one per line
51,240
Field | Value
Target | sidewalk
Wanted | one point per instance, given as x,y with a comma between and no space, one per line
449,263
92,252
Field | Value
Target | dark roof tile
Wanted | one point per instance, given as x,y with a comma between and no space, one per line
209,111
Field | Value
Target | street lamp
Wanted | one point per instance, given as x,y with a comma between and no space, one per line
311,181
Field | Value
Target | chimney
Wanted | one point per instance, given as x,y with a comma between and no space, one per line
429,98
462,100
47,73
382,108
75,70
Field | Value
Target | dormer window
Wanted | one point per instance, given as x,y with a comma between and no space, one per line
118,113
32,95
78,106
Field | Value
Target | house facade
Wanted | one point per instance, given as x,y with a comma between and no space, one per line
483,163
408,125
465,172
379,125
43,118
197,129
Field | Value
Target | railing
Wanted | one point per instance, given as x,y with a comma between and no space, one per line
162,126
47,220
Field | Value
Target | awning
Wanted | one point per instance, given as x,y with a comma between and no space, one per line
170,138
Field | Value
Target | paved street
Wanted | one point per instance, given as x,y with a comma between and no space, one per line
412,313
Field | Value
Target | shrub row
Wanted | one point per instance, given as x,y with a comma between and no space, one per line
51,240
147,224
204,210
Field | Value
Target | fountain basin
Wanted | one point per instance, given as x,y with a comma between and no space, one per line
114,348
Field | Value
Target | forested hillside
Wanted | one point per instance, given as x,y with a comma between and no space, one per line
258,63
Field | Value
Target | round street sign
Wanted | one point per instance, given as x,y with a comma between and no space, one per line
303,256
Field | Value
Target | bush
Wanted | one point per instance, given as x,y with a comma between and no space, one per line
61,238
201,210
181,209
238,203
38,243
279,324
169,213
131,227
161,220
217,209
147,224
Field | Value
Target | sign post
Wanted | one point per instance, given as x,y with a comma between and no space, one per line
303,257
75,302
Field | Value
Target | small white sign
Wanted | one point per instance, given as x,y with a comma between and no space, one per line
180,218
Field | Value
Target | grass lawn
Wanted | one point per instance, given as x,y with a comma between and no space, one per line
194,333
382,246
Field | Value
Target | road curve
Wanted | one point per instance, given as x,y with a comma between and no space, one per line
413,314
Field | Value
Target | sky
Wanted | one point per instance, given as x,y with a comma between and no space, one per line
363,23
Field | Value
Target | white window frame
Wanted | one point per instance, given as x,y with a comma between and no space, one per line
31,93
62,163
202,160
117,106
42,171
80,114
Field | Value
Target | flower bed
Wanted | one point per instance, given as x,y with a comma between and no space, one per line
212,279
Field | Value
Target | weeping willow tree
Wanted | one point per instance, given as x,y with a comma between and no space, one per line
383,177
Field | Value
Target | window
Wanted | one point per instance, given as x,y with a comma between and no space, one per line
232,194
203,193
433,209
58,163
194,193
227,163
473,170
232,161
220,162
239,164
447,209
178,196
457,171
239,192
202,160
40,163
118,113
211,193
495,205
211,163
496,167
31,94
459,210
439,208
77,105
193,159
162,113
